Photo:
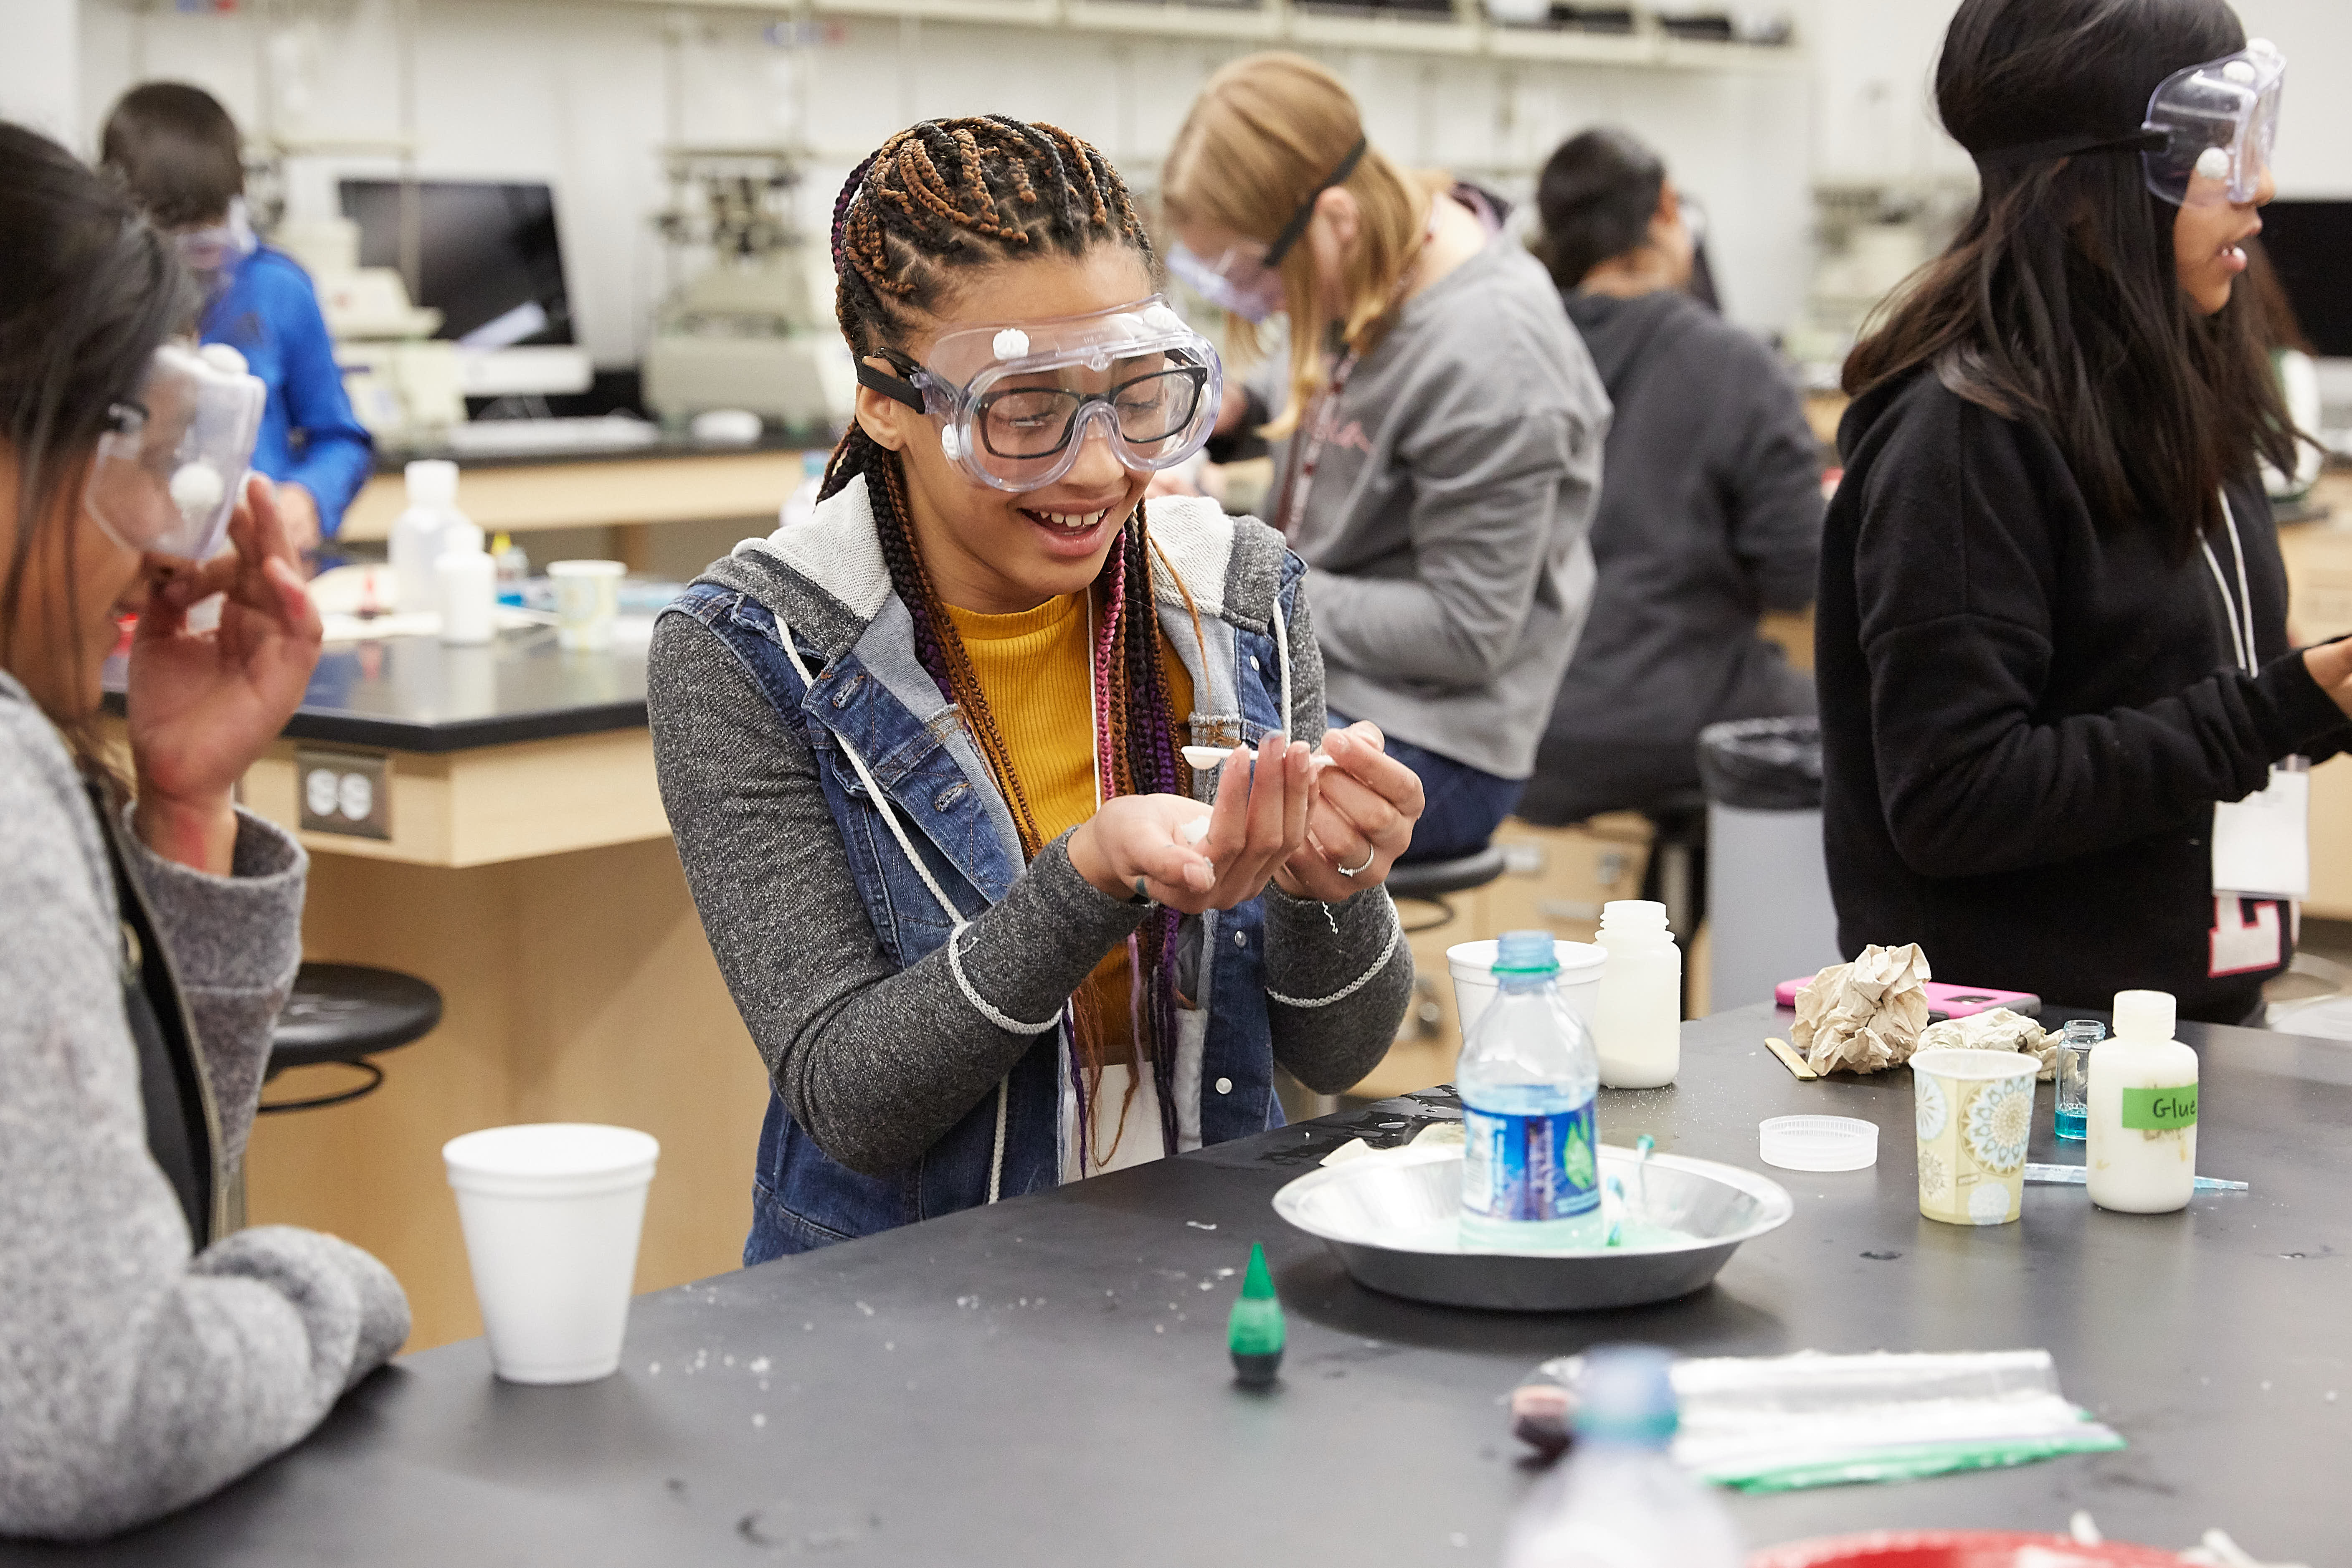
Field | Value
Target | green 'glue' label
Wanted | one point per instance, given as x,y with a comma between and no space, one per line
2160,1109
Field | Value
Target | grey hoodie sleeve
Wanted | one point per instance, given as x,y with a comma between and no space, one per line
134,1378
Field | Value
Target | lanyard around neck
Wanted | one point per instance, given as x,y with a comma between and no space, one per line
2239,611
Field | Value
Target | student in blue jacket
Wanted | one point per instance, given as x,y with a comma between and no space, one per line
179,153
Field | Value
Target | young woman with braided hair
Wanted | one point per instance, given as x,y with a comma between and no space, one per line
925,754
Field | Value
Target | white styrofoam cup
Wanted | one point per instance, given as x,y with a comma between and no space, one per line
551,1213
1472,963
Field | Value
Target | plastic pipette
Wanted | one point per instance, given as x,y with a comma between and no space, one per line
2076,1176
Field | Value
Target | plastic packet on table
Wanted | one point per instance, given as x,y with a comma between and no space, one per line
1768,1424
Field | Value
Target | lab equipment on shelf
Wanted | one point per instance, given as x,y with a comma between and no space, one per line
2143,1110
1528,1081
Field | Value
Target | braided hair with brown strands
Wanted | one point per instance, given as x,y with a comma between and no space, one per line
950,195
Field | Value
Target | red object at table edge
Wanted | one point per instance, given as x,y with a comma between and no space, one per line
1959,1549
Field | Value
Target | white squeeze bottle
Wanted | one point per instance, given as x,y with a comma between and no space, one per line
1637,1022
467,580
416,533
2142,1114
1620,1500
1530,1166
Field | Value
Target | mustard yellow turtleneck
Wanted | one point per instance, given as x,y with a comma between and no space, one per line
1034,669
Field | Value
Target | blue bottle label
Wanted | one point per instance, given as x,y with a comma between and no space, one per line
1529,1167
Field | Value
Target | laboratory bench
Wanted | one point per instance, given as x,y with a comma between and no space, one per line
1045,1381
633,492
489,819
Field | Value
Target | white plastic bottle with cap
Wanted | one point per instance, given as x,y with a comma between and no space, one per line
416,542
2143,1110
1637,1020
1620,1500
467,580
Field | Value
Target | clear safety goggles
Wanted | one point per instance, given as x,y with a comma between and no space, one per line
2210,129
1015,402
1246,281
170,469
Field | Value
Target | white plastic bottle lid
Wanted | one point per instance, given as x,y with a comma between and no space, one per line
2145,1014
1634,914
432,481
1818,1142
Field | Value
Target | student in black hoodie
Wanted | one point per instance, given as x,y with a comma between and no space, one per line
1710,497
2051,546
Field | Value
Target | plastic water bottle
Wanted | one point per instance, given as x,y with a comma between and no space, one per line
1620,1500
1530,1168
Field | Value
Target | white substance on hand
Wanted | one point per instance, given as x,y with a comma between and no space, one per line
1193,831
197,488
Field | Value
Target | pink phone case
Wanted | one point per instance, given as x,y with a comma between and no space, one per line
1943,1001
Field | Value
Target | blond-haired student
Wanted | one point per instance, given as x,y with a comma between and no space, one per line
1438,452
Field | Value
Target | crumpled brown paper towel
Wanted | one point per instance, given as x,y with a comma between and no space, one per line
1998,1030
1864,1016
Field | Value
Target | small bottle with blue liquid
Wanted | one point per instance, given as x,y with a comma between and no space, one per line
2072,1114
1528,1078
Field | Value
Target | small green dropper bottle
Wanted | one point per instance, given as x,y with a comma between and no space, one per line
1254,1331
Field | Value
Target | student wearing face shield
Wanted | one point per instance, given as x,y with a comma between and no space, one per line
179,153
1438,461
2063,726
152,1354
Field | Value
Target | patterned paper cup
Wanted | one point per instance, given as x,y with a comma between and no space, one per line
1976,1114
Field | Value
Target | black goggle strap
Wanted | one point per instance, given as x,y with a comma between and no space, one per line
2076,146
895,387
1299,219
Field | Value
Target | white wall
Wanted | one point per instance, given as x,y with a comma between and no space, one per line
40,71
580,95
1874,105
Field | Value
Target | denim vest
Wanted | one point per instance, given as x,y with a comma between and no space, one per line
868,691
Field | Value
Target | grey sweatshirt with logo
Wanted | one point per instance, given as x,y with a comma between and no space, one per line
1444,530
138,1373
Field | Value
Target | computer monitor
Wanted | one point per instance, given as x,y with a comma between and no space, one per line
488,258
2310,246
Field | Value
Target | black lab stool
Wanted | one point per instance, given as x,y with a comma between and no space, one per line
345,1015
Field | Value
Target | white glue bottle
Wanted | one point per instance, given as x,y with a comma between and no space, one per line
1637,1023
467,580
416,533
2142,1115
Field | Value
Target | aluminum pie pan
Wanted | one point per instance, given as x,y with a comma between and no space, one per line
1388,1220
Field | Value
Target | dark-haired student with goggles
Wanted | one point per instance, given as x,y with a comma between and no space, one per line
2064,730
1007,801
152,1354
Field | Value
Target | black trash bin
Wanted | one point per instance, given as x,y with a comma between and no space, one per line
1768,884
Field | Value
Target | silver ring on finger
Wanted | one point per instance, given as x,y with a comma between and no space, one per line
1371,854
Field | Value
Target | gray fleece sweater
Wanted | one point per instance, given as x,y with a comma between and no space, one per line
139,1373
1445,531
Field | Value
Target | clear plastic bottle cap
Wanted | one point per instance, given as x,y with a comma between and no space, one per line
1818,1142
2145,1014
1626,1394
1527,952
432,481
